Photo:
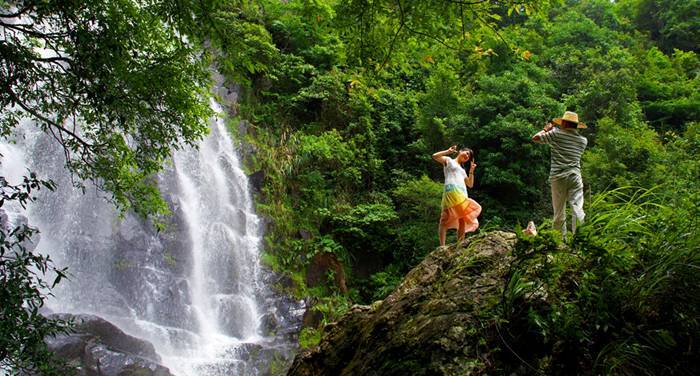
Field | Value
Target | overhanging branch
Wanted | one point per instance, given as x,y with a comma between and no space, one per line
48,121
402,22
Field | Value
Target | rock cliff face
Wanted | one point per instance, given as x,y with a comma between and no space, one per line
434,323
97,347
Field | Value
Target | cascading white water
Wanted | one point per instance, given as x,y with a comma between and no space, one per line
225,241
193,290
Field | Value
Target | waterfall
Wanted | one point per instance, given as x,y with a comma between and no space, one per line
196,289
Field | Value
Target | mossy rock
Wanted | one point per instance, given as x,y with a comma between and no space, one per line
436,322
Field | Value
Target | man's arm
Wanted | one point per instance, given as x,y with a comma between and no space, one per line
540,137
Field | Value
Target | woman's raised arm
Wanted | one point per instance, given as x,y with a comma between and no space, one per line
439,157
469,180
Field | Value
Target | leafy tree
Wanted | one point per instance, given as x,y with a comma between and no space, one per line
366,224
119,85
667,88
499,118
623,157
673,24
418,207
441,99
116,83
379,29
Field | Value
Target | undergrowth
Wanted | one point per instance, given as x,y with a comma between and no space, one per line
621,297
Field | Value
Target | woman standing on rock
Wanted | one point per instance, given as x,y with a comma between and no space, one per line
458,210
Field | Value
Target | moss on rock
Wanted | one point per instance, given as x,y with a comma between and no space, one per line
437,321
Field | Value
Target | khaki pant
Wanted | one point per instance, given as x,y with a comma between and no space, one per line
567,188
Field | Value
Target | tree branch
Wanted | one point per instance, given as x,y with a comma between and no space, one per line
467,2
54,59
492,28
21,28
431,37
18,13
402,22
48,121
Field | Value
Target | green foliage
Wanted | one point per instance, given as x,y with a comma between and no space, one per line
361,226
385,33
620,298
668,89
624,157
683,152
383,283
673,24
441,99
418,209
118,86
309,337
331,307
357,95
23,291
245,47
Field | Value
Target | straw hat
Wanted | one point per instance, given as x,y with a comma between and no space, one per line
571,117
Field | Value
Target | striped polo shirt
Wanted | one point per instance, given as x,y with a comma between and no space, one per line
567,147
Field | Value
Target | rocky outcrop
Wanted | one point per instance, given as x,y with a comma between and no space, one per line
322,264
434,323
97,347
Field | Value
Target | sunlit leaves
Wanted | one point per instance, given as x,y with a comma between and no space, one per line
117,84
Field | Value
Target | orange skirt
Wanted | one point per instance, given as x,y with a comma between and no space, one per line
468,210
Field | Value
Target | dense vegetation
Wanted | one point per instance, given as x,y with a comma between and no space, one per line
346,100
359,94
621,299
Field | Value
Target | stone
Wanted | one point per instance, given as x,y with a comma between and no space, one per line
98,347
429,325
102,360
257,180
4,220
321,264
269,323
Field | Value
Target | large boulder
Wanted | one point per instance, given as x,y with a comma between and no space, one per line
432,324
97,347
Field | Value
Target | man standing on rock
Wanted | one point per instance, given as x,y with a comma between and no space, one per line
567,146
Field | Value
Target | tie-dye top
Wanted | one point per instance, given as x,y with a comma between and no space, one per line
454,176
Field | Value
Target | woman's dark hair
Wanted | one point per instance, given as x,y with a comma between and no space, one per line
471,157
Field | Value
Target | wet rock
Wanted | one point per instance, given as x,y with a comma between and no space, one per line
429,325
101,360
257,179
97,347
236,316
269,323
241,218
4,220
306,235
321,264
312,317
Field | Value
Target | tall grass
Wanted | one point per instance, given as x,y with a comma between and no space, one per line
624,297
